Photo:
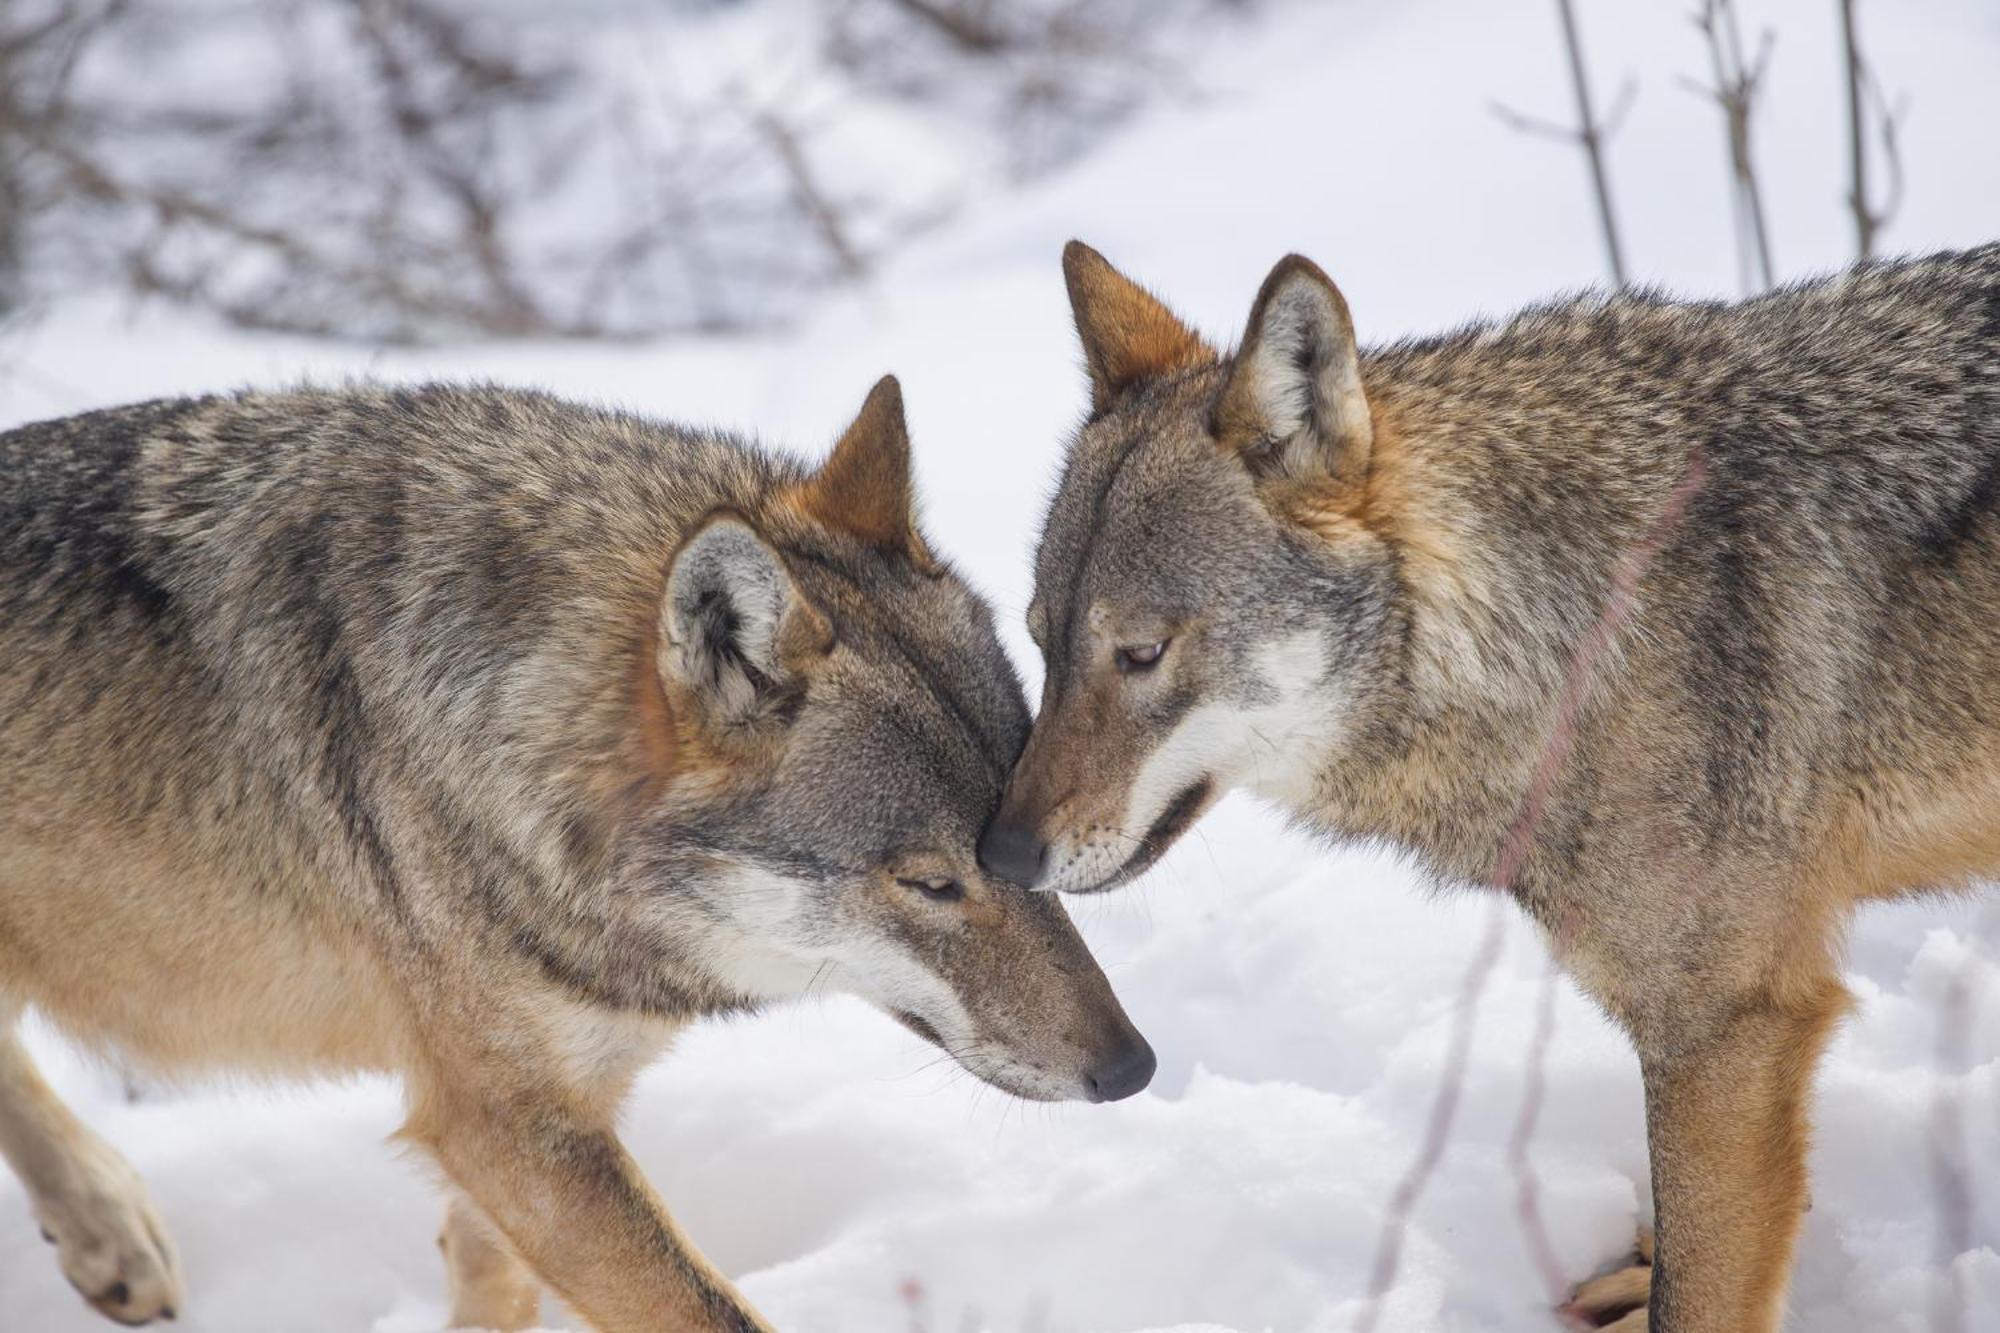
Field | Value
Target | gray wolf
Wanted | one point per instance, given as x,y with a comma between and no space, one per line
1355,582
487,740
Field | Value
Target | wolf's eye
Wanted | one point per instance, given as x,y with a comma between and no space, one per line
937,888
1143,657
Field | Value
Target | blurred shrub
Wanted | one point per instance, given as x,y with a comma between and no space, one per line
419,170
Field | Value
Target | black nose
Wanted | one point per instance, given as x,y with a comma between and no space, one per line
1012,852
1124,1071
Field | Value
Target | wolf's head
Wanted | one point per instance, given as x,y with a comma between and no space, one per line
1212,598
842,719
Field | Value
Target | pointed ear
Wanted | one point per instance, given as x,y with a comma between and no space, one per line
864,489
1127,334
1293,403
735,631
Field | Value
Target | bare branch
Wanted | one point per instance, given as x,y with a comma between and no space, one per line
806,192
1520,1160
1889,123
1444,1111
1951,1179
1863,89
436,177
1527,124
37,63
1628,93
1857,138
1734,90
1549,129
1589,133
974,32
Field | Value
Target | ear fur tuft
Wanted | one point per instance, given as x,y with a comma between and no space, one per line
1293,401
1127,334
864,488
734,629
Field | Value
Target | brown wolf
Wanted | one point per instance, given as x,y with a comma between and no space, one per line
485,739
1356,582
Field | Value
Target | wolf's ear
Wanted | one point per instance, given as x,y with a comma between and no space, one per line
1127,334
734,629
863,489
1293,402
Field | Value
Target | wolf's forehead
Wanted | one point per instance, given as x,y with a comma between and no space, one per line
1097,460
936,627
897,765
1131,506
934,673
956,742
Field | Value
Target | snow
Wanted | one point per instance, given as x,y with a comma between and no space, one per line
1300,997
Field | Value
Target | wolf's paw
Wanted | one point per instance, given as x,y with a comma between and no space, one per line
1616,1301
491,1289
497,1307
109,1240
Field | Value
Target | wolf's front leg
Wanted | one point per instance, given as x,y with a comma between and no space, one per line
490,1287
1727,1133
551,1176
89,1202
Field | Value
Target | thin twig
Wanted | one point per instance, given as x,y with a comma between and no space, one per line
1951,1184
1527,1191
1889,123
1862,87
1589,133
1734,91
1444,1110
1857,139
970,31
807,193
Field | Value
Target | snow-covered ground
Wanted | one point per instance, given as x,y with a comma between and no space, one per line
1300,998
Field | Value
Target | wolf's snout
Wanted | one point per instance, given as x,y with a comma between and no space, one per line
1126,1070
1012,852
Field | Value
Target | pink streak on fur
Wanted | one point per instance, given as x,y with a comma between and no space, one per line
1514,854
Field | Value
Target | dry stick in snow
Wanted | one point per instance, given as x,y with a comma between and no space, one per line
968,26
1593,145
812,201
1444,1109
1527,1186
1589,133
1735,92
1506,871
38,63
1947,1154
1951,1186
1857,141
1868,220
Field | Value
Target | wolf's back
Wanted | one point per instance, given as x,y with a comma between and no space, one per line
250,621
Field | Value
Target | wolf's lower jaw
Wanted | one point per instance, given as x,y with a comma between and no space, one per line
996,1068
1104,860
1030,1085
